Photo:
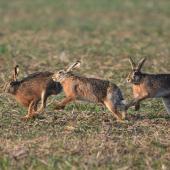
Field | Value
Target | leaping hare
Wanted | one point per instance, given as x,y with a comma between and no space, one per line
29,91
89,89
148,85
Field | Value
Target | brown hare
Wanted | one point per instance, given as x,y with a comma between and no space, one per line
29,91
89,89
148,85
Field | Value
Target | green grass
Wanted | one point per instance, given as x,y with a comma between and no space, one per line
46,36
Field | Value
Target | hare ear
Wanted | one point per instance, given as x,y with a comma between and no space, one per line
73,66
15,73
141,63
132,62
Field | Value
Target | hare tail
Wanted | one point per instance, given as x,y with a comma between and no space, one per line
123,101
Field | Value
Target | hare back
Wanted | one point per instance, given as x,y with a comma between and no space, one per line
161,84
35,83
161,80
91,89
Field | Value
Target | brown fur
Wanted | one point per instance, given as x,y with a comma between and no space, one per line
29,91
148,85
89,89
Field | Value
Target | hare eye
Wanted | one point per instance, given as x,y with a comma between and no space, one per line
136,73
60,72
12,83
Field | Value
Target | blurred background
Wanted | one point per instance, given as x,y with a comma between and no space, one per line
41,35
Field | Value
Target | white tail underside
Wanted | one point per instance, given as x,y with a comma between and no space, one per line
123,102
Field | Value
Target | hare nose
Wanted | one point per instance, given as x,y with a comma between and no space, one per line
127,79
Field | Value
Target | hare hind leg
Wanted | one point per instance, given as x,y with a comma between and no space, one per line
123,109
113,108
166,102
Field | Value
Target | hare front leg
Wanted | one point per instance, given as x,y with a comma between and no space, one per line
30,108
64,102
132,103
44,97
137,101
166,102
137,105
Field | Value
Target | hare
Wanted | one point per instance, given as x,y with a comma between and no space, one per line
89,89
148,85
29,91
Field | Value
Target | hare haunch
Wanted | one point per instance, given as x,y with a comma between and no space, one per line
89,89
148,85
29,91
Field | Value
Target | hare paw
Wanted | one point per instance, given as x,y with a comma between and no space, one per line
41,117
38,116
24,118
58,107
137,107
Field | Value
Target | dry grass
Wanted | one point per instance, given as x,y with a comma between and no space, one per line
85,139
46,36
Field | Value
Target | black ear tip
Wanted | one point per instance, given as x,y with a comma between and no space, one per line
129,57
17,66
78,62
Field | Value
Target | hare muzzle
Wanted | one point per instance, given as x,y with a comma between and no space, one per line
6,87
54,77
129,80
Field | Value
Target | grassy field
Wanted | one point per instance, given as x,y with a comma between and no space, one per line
46,36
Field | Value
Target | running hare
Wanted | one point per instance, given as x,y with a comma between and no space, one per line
89,89
148,85
29,91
